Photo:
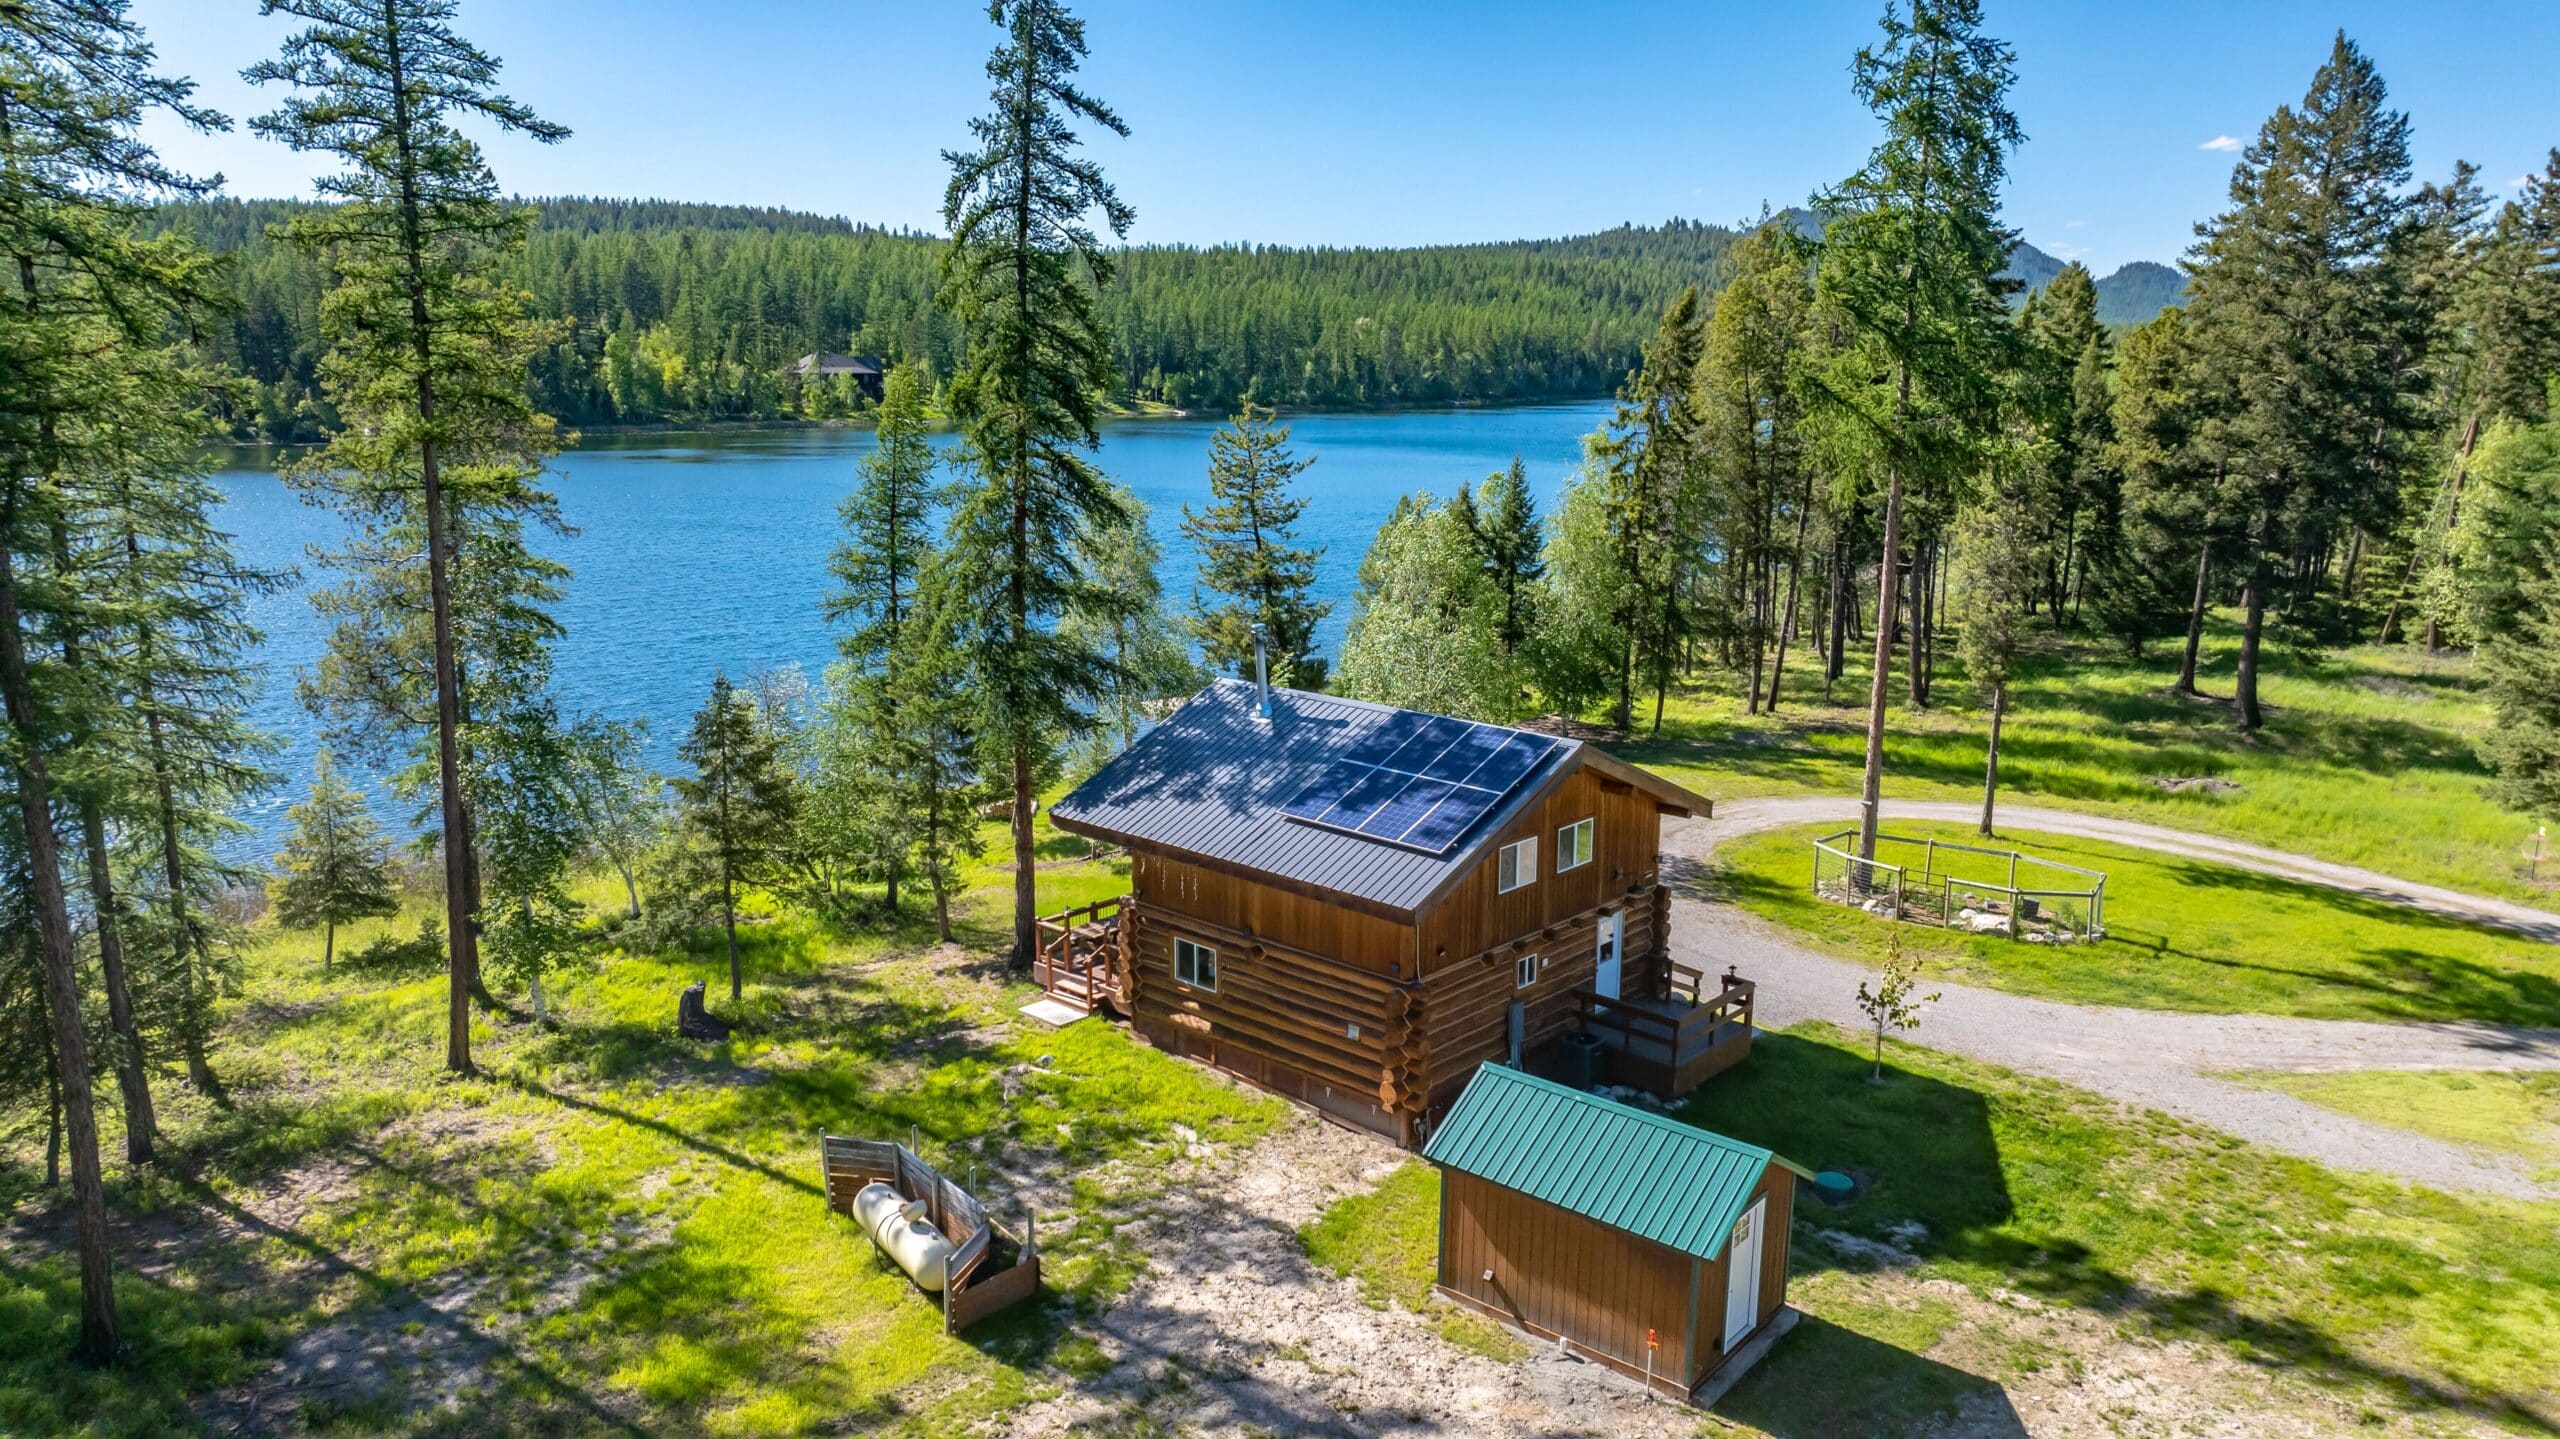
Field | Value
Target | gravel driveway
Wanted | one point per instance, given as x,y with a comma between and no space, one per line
2159,1059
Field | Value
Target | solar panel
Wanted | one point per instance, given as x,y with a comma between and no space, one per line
1421,781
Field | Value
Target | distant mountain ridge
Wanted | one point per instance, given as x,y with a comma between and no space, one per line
2137,290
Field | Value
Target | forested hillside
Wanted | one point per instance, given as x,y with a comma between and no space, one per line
695,312
678,311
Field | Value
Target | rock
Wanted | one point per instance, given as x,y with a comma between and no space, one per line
1985,923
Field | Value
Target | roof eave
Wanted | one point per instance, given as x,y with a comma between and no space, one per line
1136,843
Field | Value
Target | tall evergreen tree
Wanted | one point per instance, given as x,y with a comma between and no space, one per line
1249,555
427,356
2170,542
2307,343
1511,541
2063,361
89,299
942,774
1650,455
879,569
1020,274
1911,258
1759,478
738,804
335,867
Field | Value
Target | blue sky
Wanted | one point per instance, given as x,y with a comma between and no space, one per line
1390,122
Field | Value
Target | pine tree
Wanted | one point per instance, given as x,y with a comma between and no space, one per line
941,776
2064,357
1997,557
1123,619
1759,480
1250,559
1911,259
2523,670
1650,454
2304,337
2171,542
737,806
1424,622
1020,275
427,355
879,567
90,297
335,867
1510,539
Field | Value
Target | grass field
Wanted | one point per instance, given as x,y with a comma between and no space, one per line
2184,934
2503,1113
2073,1216
610,1231
2366,758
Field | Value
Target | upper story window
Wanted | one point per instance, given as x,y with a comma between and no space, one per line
1195,964
1573,846
1517,866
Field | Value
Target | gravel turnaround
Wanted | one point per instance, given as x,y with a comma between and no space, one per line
2158,1059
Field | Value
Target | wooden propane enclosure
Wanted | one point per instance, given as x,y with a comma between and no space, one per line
1648,1245
1356,906
991,1267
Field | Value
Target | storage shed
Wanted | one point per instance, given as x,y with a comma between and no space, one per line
1651,1246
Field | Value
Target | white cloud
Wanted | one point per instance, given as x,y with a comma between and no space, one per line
2220,142
2520,182
2075,224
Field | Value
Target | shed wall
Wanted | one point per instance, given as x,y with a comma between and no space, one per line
1777,1187
1553,1269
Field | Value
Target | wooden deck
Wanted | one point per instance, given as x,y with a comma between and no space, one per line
1671,1042
1082,958
992,1268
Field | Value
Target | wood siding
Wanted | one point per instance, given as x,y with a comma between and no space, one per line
1556,1271
1470,917
1274,913
1464,1009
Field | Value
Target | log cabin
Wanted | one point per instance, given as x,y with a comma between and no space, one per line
1356,905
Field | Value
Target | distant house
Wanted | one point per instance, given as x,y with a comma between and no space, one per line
1655,1247
865,370
1356,905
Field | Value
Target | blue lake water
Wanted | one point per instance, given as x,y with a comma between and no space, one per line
705,551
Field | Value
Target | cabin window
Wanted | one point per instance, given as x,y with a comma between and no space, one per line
1573,846
1195,964
1526,971
1517,866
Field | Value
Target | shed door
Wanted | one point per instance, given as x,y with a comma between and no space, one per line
1742,1276
1613,944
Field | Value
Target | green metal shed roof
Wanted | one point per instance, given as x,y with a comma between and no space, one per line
1653,1177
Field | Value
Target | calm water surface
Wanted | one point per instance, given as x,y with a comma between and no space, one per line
706,551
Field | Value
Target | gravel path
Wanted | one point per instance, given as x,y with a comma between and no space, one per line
2159,1059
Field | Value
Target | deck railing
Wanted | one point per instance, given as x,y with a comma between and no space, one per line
1685,1033
1077,948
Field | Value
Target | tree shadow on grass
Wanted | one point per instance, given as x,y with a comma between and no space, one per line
1933,1158
1824,1380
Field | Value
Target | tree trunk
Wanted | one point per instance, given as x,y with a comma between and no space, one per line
2254,606
328,943
52,1097
630,889
97,1343
1026,873
182,929
729,925
1871,789
1991,757
2186,684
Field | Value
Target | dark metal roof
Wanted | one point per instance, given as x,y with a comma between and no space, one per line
838,365
1211,779
1654,1177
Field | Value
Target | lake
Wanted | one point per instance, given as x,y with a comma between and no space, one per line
706,551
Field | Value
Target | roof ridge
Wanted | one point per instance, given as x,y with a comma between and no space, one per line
1605,1104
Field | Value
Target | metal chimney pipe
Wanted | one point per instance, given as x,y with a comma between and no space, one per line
1261,674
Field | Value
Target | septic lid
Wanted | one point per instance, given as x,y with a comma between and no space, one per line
1832,1181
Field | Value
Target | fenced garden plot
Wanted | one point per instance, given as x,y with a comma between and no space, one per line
1963,886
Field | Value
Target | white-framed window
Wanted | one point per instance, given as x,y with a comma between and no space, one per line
1195,964
1573,846
1517,866
1525,971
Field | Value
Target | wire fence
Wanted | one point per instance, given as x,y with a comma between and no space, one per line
1963,886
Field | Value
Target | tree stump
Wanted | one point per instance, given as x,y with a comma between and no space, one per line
693,1021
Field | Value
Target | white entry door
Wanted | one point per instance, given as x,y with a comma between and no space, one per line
1613,945
1742,1278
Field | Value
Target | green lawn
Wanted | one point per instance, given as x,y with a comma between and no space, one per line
616,1232
2415,1306
2504,1113
2366,758
2184,934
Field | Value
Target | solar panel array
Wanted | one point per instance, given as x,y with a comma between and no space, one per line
1420,781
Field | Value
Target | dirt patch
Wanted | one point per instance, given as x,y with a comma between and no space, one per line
2193,784
1233,1332
2394,687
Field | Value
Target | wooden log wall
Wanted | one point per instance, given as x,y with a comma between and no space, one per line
1329,1020
1465,1007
